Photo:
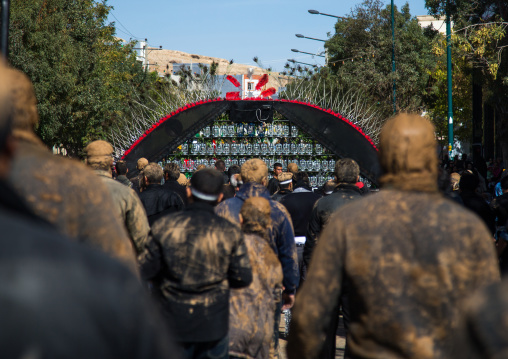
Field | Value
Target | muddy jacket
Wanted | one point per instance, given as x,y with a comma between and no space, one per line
130,209
158,202
251,309
71,197
410,258
124,180
53,288
281,231
483,326
324,207
193,257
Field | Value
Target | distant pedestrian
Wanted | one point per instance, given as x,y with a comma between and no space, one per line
121,173
273,184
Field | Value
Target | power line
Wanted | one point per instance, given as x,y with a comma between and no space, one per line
128,32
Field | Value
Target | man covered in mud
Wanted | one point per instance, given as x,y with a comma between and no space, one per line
60,190
60,299
128,206
193,257
410,256
251,309
254,174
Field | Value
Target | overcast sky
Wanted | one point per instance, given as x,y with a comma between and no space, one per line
236,29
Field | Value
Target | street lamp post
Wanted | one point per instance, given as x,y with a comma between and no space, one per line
309,53
4,29
315,12
303,63
306,37
449,80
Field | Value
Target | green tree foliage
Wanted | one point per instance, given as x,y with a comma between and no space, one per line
83,75
480,40
360,54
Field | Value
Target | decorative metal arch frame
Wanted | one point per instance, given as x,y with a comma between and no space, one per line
339,135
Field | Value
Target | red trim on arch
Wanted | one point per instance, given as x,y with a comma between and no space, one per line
190,105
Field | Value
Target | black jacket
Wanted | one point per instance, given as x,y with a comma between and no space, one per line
478,205
299,205
194,257
278,196
323,208
273,185
159,202
178,188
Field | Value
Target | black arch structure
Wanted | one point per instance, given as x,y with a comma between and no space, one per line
333,131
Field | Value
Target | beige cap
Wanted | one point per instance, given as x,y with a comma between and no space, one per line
142,163
285,177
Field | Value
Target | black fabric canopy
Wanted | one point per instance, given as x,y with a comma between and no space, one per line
330,129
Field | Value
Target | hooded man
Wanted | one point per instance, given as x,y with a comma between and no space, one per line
129,207
410,257
60,190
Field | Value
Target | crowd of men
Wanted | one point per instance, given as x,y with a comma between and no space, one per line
99,263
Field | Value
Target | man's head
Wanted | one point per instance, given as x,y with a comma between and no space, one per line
121,168
142,163
407,152
255,170
504,184
346,171
329,187
206,186
171,172
152,173
99,155
220,165
468,182
455,179
300,179
292,167
286,180
255,216
23,103
233,170
277,169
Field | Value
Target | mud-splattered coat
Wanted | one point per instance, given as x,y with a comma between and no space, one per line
194,257
71,197
483,326
323,208
251,309
410,258
281,230
130,209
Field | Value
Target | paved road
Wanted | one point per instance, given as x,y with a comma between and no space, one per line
339,350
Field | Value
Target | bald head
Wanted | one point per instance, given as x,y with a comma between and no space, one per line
19,89
407,150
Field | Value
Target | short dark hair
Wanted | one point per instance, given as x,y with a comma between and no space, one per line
346,170
277,164
208,181
301,178
228,191
220,165
121,168
172,170
233,170
504,182
468,182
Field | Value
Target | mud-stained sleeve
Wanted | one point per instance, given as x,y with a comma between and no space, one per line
223,210
240,270
319,295
486,258
286,248
136,222
313,229
150,261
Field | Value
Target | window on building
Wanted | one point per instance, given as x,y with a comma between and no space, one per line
250,86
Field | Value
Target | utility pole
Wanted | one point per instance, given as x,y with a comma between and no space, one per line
449,78
393,60
4,29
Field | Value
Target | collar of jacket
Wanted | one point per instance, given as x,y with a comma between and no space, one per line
252,189
151,186
104,173
346,186
302,189
200,206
